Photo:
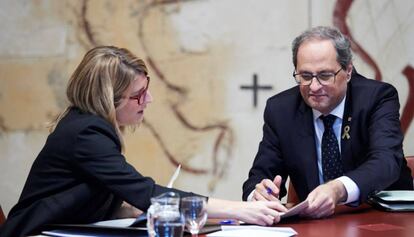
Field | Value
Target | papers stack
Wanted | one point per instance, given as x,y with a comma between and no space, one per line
295,210
253,230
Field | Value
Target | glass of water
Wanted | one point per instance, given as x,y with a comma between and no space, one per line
194,211
163,216
168,224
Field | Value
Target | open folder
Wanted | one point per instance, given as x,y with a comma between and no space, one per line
120,227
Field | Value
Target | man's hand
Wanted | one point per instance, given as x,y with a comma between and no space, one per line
267,190
323,199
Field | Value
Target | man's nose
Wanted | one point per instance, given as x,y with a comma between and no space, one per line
315,84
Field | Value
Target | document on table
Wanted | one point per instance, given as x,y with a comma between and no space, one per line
119,223
295,210
253,230
139,221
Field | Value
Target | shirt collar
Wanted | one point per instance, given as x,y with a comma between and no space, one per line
338,111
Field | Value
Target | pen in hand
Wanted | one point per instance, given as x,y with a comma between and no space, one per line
268,190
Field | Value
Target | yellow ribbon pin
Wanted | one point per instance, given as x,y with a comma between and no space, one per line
346,132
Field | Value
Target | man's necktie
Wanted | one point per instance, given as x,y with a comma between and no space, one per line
331,158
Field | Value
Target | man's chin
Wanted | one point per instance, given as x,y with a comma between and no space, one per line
318,105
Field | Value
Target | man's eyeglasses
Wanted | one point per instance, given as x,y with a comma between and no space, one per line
141,95
324,78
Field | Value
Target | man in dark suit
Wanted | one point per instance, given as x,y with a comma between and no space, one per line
336,135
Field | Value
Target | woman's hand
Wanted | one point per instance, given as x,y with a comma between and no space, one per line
127,211
259,213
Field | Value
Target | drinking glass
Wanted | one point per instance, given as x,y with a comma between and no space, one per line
163,216
169,224
194,211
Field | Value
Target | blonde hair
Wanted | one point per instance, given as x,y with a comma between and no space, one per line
100,80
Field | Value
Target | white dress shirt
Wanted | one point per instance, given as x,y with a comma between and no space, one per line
350,186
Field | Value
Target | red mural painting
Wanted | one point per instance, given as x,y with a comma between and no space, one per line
340,13
408,112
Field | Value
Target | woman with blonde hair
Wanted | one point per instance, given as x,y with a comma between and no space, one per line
81,175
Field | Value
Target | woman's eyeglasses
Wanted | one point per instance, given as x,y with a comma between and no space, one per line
140,97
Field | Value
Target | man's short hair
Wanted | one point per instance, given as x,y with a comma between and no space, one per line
341,43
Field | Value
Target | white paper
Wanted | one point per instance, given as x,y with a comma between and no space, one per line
396,195
95,229
59,233
295,210
126,222
253,230
86,233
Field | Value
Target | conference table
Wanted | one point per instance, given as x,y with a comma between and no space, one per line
363,222
346,222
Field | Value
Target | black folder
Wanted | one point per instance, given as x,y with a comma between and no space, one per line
393,201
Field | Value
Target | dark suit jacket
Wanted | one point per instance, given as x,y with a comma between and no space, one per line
80,176
372,157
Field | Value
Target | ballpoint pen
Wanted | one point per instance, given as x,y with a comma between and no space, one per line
268,190
228,222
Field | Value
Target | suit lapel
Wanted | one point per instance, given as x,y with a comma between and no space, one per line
306,142
346,131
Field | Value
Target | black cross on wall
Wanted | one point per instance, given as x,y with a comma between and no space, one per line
255,87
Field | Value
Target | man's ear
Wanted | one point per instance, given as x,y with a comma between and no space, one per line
349,72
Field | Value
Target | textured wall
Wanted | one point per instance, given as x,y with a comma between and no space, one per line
200,53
